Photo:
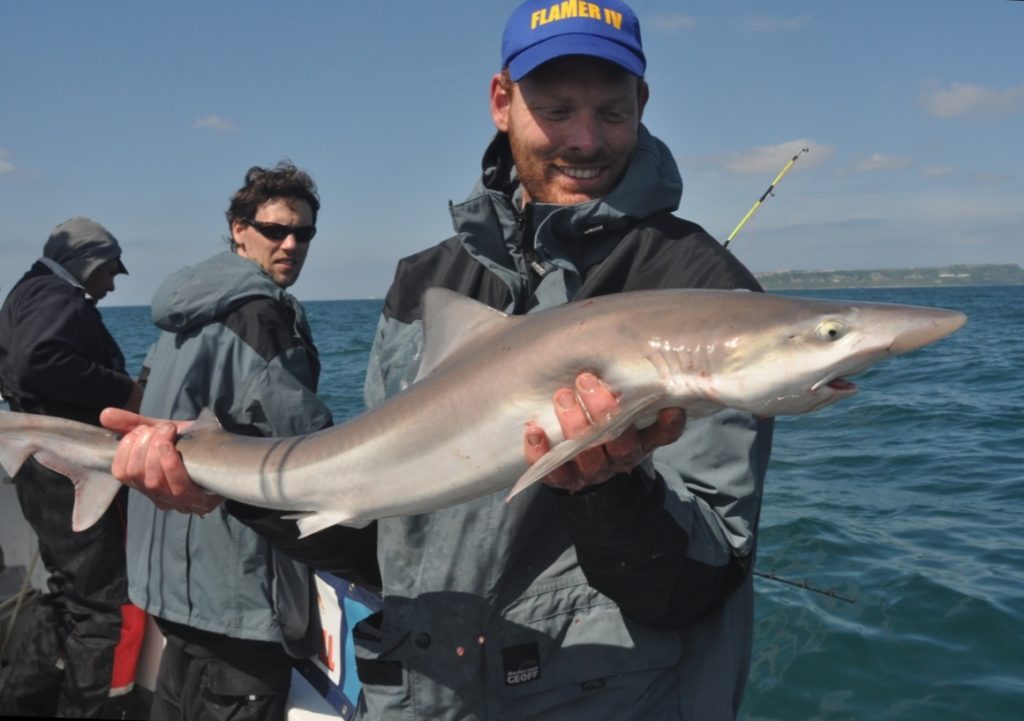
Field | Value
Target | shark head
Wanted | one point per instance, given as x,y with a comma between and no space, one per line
788,356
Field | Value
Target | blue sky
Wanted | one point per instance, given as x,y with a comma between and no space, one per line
145,116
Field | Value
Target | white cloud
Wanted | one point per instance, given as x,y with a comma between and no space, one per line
991,178
673,23
215,122
6,166
772,25
937,171
976,100
767,159
880,162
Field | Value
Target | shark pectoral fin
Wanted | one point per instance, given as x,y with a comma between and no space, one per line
94,490
562,453
565,451
316,521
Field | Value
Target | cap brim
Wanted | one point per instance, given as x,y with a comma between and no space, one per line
536,55
120,267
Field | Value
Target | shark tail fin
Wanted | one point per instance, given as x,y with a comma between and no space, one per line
94,490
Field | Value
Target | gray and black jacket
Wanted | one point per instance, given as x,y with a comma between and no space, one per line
237,343
632,600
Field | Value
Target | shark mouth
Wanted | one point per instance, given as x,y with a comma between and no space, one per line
842,385
839,385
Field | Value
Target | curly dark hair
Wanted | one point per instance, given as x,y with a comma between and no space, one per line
284,180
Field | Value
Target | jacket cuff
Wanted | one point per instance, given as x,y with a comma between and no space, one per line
596,510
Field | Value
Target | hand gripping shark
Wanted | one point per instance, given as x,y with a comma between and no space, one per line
457,432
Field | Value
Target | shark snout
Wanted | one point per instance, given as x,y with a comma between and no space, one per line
927,327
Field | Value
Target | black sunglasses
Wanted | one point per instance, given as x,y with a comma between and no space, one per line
278,232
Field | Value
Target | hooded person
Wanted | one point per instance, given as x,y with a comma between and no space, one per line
58,358
81,246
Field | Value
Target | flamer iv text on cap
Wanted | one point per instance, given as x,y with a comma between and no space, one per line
541,31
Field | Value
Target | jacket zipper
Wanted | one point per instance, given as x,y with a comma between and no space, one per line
524,239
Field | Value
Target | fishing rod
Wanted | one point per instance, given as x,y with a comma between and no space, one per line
830,592
767,193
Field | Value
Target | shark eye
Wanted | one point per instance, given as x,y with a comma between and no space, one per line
831,330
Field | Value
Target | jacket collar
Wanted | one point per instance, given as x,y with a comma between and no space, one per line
487,220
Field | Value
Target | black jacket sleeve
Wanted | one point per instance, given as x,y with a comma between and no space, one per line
350,553
632,550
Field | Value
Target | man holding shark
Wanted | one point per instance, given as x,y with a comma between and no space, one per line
622,587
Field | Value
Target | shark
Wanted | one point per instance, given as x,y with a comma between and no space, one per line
456,432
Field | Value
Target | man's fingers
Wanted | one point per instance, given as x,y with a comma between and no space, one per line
118,420
119,466
622,453
578,411
155,477
626,451
190,497
122,421
668,428
146,459
572,416
598,400
136,446
536,445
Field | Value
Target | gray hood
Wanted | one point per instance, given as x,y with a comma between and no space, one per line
195,295
80,246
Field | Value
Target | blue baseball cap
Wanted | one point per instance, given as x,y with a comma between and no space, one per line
542,30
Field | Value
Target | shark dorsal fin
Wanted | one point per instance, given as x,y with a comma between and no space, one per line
206,424
452,323
207,421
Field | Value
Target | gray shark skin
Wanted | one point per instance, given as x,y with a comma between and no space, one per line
457,432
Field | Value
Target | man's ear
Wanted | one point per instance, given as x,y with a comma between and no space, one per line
643,92
237,227
501,100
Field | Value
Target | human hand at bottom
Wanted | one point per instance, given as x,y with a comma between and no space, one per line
147,461
592,399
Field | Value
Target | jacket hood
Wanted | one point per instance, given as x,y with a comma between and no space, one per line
195,295
80,246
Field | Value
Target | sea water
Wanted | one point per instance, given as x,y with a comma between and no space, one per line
903,507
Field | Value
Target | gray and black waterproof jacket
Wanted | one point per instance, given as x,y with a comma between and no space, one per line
237,343
632,600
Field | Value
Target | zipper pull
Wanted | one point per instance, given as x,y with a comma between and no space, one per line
520,218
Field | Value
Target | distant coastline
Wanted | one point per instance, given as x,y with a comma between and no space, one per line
946,275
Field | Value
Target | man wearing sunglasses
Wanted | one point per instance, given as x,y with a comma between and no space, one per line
236,342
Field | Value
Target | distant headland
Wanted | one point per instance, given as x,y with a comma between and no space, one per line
946,275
